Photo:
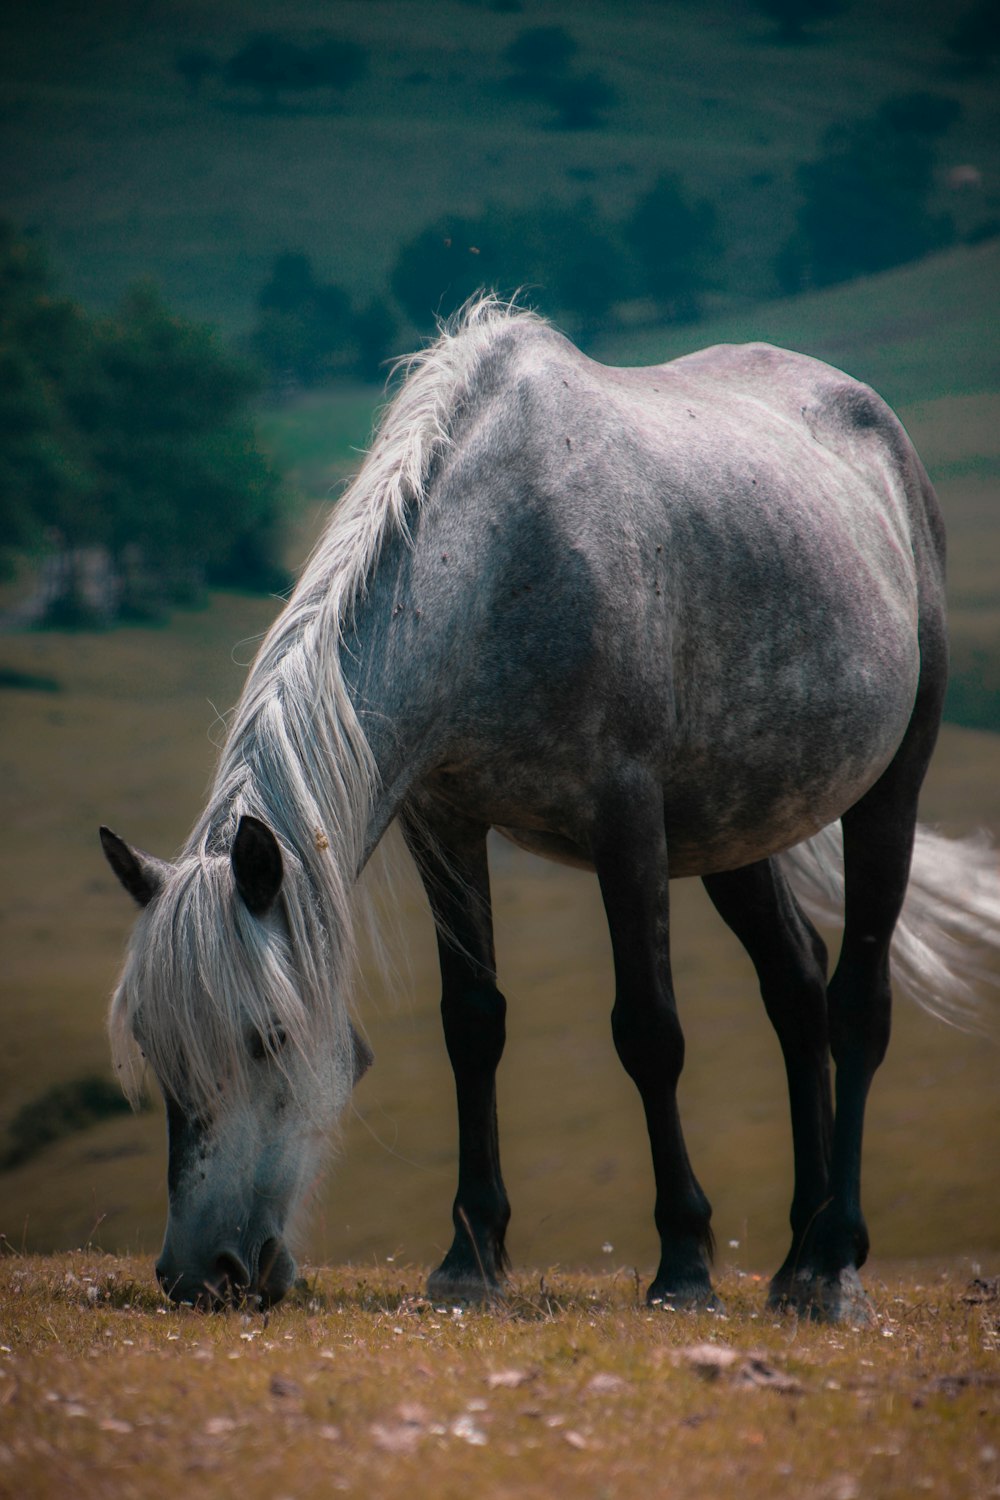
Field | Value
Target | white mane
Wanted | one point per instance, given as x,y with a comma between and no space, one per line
201,971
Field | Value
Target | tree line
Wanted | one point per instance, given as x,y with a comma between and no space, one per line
865,204
127,450
542,63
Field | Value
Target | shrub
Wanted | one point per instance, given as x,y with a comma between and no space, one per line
865,199
272,64
540,58
59,1112
792,17
673,239
565,255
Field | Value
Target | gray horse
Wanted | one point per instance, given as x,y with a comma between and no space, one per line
654,622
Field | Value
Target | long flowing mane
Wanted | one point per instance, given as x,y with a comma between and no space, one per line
297,757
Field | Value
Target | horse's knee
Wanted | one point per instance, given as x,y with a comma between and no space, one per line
860,1020
475,1028
650,1044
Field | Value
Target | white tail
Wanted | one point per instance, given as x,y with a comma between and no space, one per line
946,947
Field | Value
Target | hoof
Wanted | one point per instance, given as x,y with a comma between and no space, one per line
839,1298
695,1298
472,1289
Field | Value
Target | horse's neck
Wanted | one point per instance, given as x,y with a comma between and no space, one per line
403,673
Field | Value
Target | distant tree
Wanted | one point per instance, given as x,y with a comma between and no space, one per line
565,254
302,323
441,266
272,64
126,448
673,239
573,260
793,17
975,39
178,472
308,331
44,342
537,54
374,329
194,65
865,200
540,58
581,100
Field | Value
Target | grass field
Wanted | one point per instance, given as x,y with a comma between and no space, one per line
360,1386
125,175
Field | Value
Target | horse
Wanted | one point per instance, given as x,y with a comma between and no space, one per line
684,620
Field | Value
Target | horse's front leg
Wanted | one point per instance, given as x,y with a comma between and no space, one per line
451,858
630,855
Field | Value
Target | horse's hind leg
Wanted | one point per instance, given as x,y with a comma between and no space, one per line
878,843
451,858
790,959
630,855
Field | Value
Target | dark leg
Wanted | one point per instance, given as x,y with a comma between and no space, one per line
790,959
878,843
452,861
630,855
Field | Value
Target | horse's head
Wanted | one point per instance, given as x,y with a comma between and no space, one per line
253,1068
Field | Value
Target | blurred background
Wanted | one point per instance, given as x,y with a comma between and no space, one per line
218,227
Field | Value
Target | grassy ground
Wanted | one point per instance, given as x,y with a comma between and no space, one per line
362,1387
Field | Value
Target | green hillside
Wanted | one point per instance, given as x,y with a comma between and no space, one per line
128,173
916,333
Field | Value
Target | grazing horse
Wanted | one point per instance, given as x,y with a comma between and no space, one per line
654,622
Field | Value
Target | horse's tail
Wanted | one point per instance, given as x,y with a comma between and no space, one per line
946,948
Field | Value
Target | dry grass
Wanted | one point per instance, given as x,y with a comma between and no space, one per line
360,1385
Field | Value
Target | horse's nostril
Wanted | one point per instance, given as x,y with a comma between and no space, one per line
275,1272
229,1278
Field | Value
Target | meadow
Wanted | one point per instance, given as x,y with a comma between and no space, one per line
362,1387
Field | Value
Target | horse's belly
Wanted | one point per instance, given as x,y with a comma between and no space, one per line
755,817
754,763
723,809
707,833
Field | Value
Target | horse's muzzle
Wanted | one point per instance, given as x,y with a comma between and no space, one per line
227,1281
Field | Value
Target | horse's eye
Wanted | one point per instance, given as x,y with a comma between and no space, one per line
261,1048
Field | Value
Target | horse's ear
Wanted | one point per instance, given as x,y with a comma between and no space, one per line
257,866
142,875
